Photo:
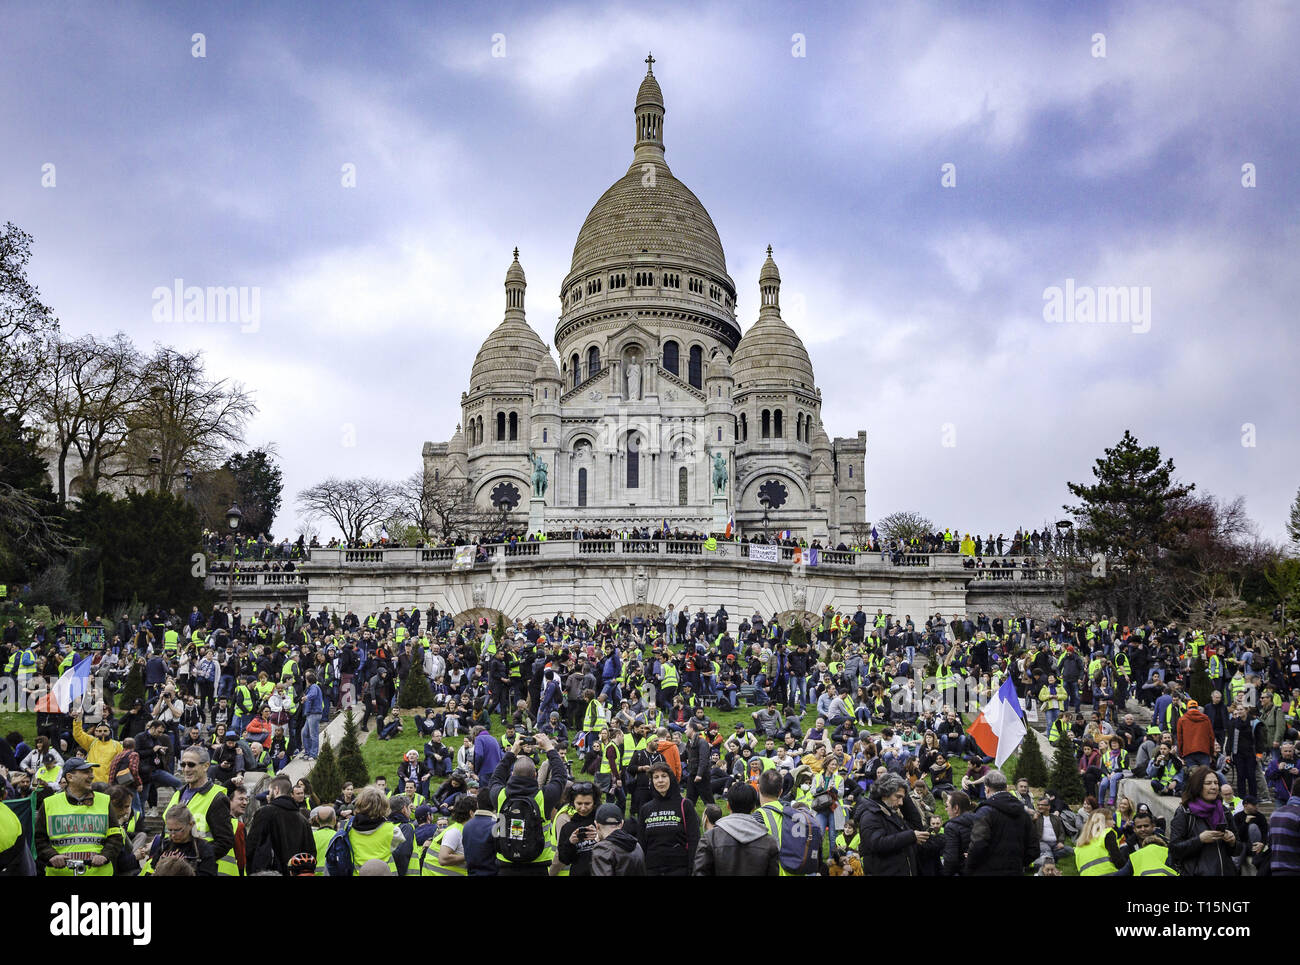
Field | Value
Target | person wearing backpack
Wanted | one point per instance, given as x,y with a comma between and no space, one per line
367,835
738,845
524,833
669,827
792,827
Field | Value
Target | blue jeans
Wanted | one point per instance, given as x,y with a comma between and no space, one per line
1108,787
1051,715
798,688
1073,701
311,735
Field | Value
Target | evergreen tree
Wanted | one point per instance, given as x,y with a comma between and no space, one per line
1065,781
351,763
1293,521
1198,687
1127,518
414,692
133,686
1030,766
326,778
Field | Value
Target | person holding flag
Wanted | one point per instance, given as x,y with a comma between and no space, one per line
1000,726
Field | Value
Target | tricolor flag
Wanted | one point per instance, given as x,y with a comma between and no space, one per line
69,686
1000,727
785,534
665,525
731,522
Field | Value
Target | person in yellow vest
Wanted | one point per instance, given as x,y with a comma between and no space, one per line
1096,850
76,829
208,803
445,852
178,840
15,856
371,836
324,822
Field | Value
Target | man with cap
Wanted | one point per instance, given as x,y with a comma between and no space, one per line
617,853
227,760
76,831
425,825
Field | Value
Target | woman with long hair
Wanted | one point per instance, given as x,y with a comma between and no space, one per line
1096,850
1202,834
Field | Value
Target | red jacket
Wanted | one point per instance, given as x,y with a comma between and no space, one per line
1195,734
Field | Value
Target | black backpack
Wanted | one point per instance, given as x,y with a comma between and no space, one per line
520,831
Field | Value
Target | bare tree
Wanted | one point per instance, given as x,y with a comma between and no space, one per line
354,505
904,525
184,418
438,505
111,388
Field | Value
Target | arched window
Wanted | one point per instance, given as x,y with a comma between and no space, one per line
582,487
670,357
697,366
543,435
767,424
514,426
744,428
633,463
683,489
798,427
719,433
575,364
481,436
593,361
501,427
776,423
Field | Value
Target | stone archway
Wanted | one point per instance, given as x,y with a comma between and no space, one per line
647,611
474,614
807,617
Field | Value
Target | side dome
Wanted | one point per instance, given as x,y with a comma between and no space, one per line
547,369
771,352
510,354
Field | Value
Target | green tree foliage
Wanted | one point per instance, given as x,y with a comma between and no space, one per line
1293,521
29,518
144,544
1065,781
1030,766
259,483
414,692
351,763
1125,515
133,686
326,777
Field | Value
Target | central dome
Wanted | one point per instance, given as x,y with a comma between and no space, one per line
664,219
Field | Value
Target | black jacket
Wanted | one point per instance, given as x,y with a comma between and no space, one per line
886,842
738,845
576,856
669,832
956,842
1002,839
1194,857
618,856
279,831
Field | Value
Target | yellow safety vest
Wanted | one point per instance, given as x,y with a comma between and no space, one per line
322,837
548,830
198,806
78,831
429,863
376,844
1152,859
1092,858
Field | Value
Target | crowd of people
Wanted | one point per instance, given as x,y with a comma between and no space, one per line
558,746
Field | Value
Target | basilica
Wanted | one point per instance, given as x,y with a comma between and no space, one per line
658,410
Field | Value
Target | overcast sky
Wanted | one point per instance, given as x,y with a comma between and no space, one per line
922,305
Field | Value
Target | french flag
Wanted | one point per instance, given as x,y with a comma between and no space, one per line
731,521
69,686
1000,727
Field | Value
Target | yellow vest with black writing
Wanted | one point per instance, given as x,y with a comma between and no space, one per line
79,831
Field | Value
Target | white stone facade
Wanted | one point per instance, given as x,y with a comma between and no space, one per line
653,379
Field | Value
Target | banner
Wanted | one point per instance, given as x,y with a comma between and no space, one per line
760,553
86,638
464,558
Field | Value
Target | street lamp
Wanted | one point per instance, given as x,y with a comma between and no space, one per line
155,460
233,518
766,503
1063,528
